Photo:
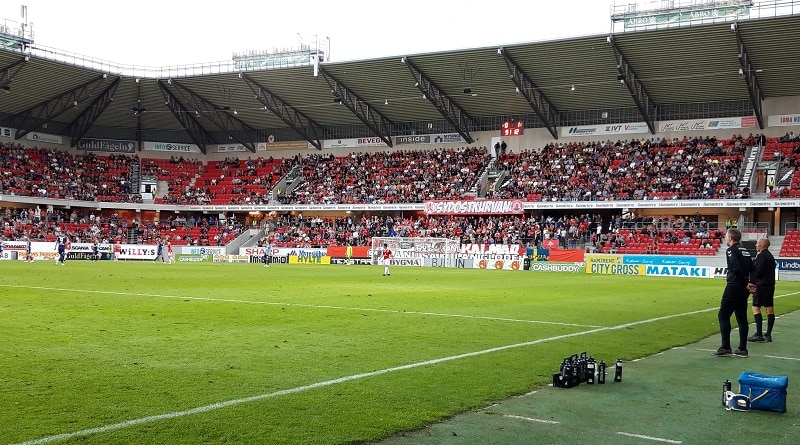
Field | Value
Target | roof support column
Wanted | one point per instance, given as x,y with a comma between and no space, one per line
447,107
540,104
366,113
748,74
296,119
627,76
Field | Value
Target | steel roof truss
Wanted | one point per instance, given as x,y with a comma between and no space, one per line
78,127
627,76
538,101
37,116
366,113
187,118
748,74
222,117
447,107
7,74
294,118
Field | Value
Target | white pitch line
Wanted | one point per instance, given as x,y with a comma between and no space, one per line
531,419
313,306
782,358
657,439
228,403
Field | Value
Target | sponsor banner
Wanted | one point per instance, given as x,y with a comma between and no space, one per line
285,145
353,143
558,267
405,262
44,137
615,269
107,145
594,130
6,132
660,260
137,252
171,147
486,250
417,139
358,261
611,265
482,207
720,272
228,148
309,260
18,245
676,17
298,251
341,251
230,259
448,138
707,124
192,258
9,255
40,246
784,264
272,259
783,120
498,264
678,271
46,250
202,250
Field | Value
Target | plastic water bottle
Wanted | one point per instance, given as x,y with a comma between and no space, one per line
726,386
601,373
590,369
618,370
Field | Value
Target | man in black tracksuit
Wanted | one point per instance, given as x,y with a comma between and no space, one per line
762,286
734,298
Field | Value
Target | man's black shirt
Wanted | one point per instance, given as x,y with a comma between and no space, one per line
740,264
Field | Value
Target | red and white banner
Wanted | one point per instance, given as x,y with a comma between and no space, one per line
783,120
474,207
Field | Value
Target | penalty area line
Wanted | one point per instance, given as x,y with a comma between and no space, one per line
256,398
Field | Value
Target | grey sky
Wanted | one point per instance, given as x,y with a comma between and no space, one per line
165,33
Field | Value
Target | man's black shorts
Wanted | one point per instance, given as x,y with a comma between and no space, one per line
764,295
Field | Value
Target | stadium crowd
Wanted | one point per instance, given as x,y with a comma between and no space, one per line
647,168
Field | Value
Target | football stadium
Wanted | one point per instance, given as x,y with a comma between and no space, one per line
508,244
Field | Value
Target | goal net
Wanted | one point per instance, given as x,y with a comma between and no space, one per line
429,252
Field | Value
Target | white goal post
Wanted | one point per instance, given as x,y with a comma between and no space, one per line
431,252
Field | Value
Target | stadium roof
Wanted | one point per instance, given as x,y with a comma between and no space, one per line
651,74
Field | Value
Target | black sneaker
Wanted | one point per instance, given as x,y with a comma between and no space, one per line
756,338
722,352
768,338
740,353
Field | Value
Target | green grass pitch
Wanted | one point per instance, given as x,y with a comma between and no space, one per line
136,352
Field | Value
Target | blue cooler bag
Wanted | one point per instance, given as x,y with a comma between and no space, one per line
766,392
